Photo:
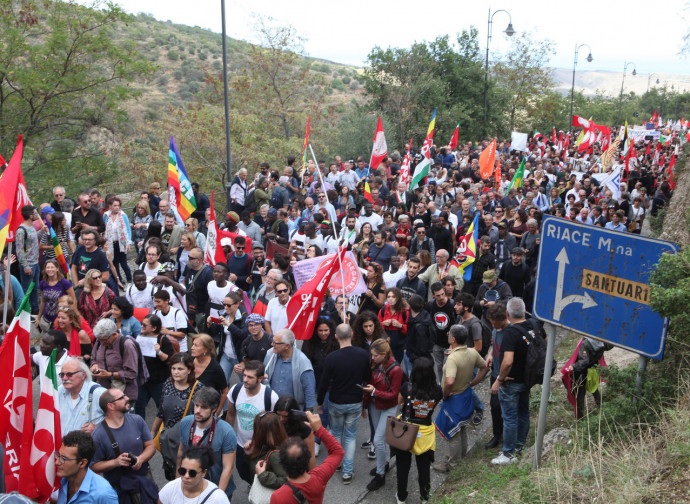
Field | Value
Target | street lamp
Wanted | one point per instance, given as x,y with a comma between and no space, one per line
510,31
649,79
228,158
572,90
620,99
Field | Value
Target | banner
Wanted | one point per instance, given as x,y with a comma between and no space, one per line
518,141
354,281
638,135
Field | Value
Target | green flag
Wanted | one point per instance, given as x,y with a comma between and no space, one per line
516,183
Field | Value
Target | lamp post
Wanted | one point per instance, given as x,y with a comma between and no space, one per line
649,79
572,89
228,157
620,99
510,31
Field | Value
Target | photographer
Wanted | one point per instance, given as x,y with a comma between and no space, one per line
123,448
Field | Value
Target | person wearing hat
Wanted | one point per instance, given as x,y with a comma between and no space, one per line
27,254
231,220
516,272
330,242
490,291
504,244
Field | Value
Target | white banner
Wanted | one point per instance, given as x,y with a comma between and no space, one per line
637,135
354,281
518,141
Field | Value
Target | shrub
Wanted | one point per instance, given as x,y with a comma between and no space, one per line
173,55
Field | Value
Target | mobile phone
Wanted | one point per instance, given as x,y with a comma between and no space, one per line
299,415
359,385
215,320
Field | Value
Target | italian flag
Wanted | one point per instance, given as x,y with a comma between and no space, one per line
47,437
422,169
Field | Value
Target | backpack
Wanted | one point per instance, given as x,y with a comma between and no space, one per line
267,395
388,370
143,374
535,358
250,201
277,198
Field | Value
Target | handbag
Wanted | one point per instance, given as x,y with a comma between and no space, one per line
157,437
259,494
400,433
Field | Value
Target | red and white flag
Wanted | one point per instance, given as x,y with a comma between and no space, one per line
304,305
47,435
405,168
214,251
456,135
380,150
16,422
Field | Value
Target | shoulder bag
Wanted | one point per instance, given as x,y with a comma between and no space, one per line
400,432
259,494
157,438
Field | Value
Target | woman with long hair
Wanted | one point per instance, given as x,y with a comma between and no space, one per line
187,243
192,485
53,286
518,225
374,297
140,223
207,369
380,402
449,286
70,322
263,450
419,397
365,235
118,236
366,329
424,260
294,426
176,394
393,317
96,298
191,225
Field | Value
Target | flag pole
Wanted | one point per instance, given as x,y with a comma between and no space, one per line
340,261
8,285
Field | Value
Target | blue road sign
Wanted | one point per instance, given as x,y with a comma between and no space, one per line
596,282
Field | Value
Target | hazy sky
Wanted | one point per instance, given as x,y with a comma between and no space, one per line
646,33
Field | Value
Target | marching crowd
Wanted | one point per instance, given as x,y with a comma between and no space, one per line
234,387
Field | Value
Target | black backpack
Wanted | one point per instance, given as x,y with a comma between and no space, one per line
267,395
277,198
535,358
250,202
143,374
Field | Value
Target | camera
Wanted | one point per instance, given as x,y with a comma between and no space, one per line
132,459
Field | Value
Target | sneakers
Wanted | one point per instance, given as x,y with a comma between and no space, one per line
376,483
397,500
372,452
505,459
373,471
478,417
365,445
347,479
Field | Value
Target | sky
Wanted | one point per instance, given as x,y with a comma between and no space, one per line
649,35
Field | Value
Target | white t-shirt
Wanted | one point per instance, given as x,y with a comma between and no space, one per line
216,295
374,219
247,408
150,272
140,298
276,314
172,494
175,320
42,362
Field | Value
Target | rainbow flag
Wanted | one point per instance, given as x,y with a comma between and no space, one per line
9,183
181,194
59,255
467,249
422,169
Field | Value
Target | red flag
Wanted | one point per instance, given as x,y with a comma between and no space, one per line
487,159
367,192
380,149
671,177
214,251
304,305
454,141
649,149
560,141
2,162
13,196
627,160
553,137
16,422
497,174
405,168
567,141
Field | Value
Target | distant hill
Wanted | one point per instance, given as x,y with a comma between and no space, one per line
610,82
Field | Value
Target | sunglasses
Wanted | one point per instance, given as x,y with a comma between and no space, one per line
229,304
192,472
238,248
68,374
119,398
96,277
282,291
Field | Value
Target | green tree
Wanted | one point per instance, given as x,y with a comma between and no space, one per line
525,79
63,70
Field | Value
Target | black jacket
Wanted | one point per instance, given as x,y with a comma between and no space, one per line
420,337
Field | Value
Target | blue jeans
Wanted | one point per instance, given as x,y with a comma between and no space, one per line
26,281
343,418
379,417
226,364
514,399
478,404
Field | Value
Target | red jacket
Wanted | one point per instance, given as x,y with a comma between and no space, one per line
386,388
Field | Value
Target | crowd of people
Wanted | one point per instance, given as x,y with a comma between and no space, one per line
143,318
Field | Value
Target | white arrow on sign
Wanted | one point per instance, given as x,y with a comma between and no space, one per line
561,302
